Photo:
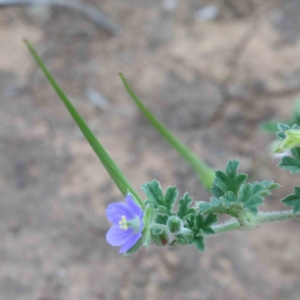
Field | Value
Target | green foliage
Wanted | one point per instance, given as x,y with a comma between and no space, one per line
200,226
171,197
289,136
154,193
230,181
234,195
270,126
205,173
264,187
250,197
110,166
184,208
198,241
161,239
282,129
175,224
164,203
228,204
293,200
291,164
181,239
148,216
160,219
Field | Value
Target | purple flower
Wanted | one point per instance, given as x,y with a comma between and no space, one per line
128,224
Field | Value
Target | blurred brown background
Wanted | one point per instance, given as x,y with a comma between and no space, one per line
211,75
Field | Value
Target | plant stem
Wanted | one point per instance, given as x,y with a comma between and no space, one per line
159,226
262,217
186,231
232,224
242,220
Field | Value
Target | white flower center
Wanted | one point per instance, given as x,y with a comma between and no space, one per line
123,223
134,223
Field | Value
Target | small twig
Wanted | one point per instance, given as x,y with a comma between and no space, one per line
87,9
262,217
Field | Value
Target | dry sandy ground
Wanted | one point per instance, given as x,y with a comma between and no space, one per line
212,83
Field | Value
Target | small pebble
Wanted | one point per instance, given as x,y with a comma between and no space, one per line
207,13
96,99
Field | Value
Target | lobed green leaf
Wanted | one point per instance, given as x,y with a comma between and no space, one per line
200,226
228,181
248,197
164,203
184,206
171,197
198,241
154,193
291,164
293,200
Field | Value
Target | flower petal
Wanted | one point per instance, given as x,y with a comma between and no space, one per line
129,243
115,211
134,207
117,237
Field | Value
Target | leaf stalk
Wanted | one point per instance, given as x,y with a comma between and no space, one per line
261,217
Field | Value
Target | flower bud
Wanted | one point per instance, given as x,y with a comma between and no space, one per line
291,140
161,239
175,224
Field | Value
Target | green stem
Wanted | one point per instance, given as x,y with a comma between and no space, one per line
232,224
159,226
242,220
262,217
186,231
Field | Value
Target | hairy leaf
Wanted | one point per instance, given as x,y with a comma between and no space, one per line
184,206
228,181
249,197
293,200
291,164
154,193
198,241
164,204
200,226
171,197
160,219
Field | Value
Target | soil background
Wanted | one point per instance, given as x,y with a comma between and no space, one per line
212,83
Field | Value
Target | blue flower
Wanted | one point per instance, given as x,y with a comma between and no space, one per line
128,224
